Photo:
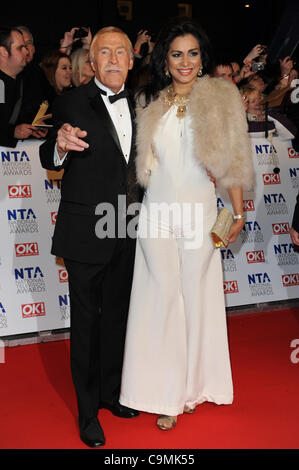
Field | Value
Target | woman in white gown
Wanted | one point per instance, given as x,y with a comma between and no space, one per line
176,353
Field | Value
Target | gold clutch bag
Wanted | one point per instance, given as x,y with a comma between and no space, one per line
221,227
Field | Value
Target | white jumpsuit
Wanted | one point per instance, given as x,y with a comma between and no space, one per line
176,350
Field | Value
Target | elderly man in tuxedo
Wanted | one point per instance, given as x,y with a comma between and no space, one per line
95,147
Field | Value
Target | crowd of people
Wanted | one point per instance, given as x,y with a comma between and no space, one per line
191,129
29,83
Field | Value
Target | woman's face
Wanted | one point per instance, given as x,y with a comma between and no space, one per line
245,101
257,82
254,103
63,74
87,73
184,60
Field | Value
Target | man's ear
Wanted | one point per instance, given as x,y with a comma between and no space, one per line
92,66
131,63
3,52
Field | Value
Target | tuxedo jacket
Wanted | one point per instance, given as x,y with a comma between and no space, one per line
99,174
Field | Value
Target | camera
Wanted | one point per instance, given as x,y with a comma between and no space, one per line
264,50
257,66
152,35
80,33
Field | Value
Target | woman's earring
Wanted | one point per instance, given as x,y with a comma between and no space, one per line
167,74
199,73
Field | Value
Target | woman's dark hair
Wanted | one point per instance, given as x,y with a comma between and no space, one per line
179,26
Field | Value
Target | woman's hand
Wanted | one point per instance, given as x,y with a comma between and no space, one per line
235,230
286,65
142,38
67,41
236,198
246,71
211,177
255,52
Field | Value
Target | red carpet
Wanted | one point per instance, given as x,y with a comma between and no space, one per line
38,406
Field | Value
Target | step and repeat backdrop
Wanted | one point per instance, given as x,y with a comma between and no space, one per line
262,266
33,283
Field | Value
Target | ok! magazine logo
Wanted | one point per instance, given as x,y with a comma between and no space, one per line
248,205
231,287
26,249
255,256
271,178
292,153
36,309
289,280
19,191
281,228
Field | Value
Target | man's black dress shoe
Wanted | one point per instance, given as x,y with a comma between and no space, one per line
119,410
92,433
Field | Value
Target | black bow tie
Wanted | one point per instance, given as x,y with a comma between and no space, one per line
118,96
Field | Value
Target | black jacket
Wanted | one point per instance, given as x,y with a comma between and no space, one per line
295,222
99,174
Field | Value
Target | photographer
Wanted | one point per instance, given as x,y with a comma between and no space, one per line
77,37
143,44
257,55
241,73
143,47
276,122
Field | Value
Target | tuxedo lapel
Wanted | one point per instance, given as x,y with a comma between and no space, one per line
99,107
133,120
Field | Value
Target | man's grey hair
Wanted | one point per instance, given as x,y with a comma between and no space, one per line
110,29
27,30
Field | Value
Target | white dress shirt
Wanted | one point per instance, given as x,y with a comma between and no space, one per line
121,118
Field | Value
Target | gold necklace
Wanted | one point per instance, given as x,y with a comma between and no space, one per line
181,101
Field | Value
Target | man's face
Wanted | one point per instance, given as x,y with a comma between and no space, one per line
224,71
29,46
112,60
16,61
236,71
